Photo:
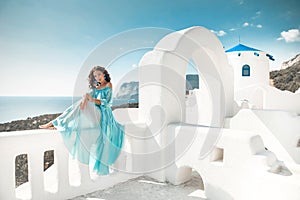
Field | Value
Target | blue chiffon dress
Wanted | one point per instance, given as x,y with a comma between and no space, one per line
92,135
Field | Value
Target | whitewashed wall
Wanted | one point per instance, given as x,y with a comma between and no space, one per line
238,167
259,68
280,130
269,98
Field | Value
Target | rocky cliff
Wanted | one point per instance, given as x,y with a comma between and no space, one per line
288,77
128,91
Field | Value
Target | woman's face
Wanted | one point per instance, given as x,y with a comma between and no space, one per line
99,76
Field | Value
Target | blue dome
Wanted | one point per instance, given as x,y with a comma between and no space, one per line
241,47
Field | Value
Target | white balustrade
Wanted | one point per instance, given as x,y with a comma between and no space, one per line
34,143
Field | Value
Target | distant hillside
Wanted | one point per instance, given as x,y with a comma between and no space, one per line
130,90
291,62
288,78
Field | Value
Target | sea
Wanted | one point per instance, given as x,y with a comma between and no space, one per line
17,107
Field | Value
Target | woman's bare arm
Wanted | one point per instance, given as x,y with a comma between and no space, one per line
97,101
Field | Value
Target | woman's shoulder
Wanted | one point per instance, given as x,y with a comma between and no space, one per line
109,85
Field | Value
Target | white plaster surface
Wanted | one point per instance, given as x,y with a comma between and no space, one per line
232,162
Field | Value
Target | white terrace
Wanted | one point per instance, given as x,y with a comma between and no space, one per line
166,138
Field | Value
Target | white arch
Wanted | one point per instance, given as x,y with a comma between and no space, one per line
162,87
166,66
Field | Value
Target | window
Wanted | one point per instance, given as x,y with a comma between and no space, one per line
246,70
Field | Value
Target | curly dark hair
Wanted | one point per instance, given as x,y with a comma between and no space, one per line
91,75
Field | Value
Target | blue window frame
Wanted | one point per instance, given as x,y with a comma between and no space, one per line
246,70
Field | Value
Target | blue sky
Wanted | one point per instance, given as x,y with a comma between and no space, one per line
43,44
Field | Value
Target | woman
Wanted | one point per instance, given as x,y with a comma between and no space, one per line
88,127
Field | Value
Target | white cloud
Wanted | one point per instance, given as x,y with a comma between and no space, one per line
257,15
245,24
292,35
259,26
219,33
232,29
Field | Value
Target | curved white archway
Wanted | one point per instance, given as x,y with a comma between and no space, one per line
162,90
165,67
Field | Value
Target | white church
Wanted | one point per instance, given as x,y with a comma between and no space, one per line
241,135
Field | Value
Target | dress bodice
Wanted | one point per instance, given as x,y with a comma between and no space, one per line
104,95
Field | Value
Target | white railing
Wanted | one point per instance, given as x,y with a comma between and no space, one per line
236,152
34,143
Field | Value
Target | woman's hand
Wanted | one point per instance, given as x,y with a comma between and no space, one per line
88,97
82,105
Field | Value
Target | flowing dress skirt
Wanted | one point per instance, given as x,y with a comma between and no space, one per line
91,135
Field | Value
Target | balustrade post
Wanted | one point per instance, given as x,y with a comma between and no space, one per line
7,174
84,173
36,173
62,159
